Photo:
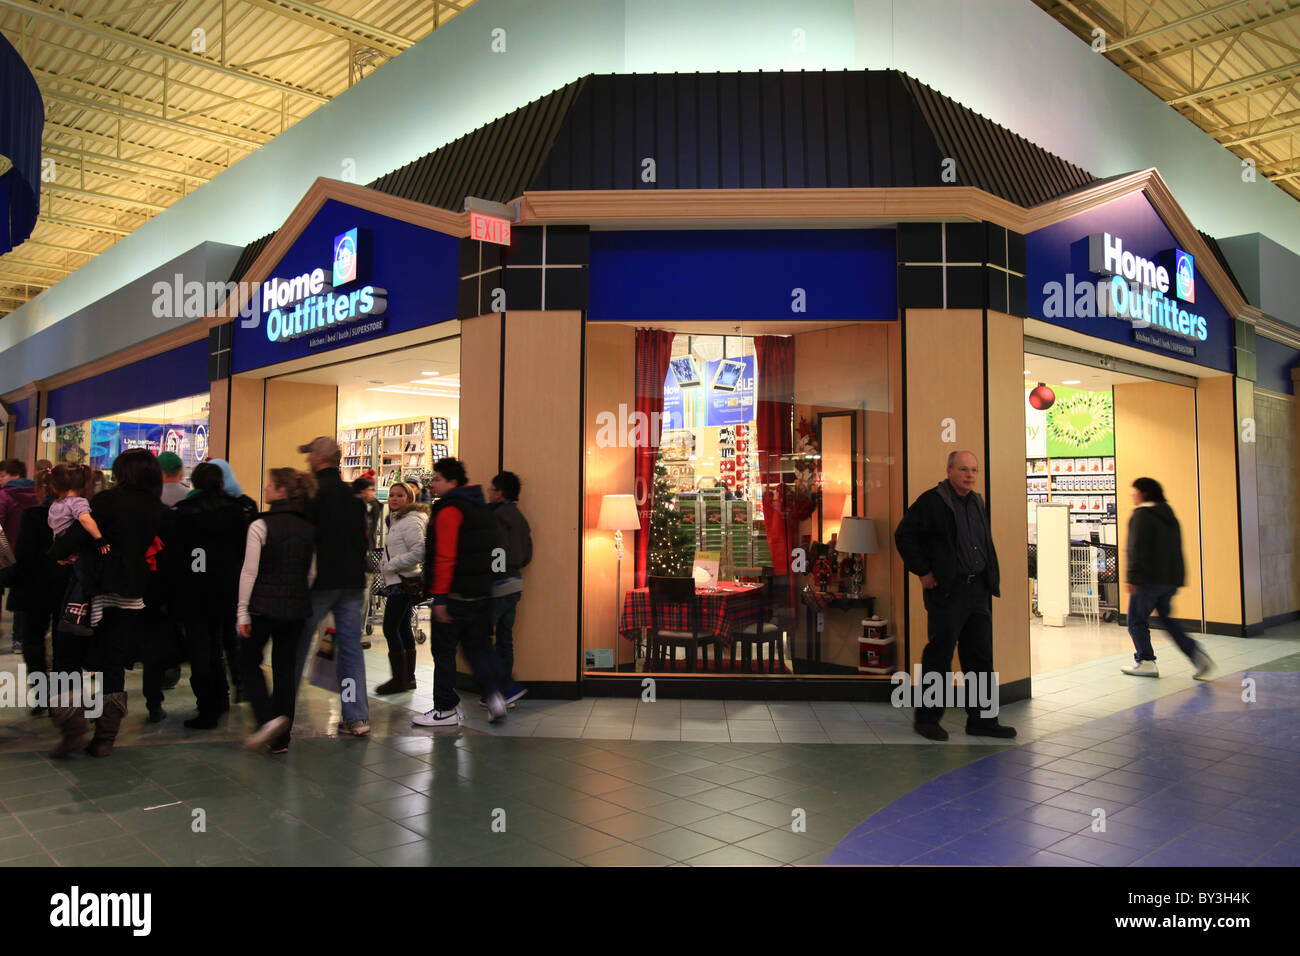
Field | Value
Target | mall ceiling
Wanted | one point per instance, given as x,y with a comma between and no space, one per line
1232,67
146,100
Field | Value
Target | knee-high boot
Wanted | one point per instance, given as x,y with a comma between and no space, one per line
71,722
397,660
107,725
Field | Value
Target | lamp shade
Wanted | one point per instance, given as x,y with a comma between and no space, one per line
618,513
857,536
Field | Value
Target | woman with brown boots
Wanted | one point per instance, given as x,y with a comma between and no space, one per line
403,572
137,527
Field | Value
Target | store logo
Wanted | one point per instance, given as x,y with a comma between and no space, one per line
1139,288
1185,275
200,442
345,257
313,307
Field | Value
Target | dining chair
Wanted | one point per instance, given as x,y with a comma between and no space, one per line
668,592
761,632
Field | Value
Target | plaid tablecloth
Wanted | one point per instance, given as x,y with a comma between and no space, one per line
724,612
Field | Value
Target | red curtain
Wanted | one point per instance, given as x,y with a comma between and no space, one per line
775,411
653,350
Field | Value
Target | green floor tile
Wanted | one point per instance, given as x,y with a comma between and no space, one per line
524,855
382,837
36,859
627,855
732,856
588,810
728,828
784,845
419,853
314,853
87,830
578,842
722,774
14,847
637,797
680,843
680,812
682,785
99,853
764,786
631,827
724,799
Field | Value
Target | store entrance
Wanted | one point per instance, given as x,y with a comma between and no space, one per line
1089,433
393,414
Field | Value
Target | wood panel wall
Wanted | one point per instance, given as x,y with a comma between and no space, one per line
543,446
295,413
1155,438
1220,552
243,446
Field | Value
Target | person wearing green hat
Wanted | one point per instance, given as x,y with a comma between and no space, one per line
174,488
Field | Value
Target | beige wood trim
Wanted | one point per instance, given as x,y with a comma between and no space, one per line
860,206
1271,328
18,394
322,190
183,335
744,205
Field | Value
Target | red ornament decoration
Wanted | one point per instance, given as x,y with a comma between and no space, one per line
1042,397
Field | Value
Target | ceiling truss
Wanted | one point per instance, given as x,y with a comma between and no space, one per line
148,100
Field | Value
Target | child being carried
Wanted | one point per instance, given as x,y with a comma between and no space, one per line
71,507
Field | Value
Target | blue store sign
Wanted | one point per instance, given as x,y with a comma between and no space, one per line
1116,273
351,275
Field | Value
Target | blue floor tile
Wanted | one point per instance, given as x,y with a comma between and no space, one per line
991,848
886,847
1184,852
1086,847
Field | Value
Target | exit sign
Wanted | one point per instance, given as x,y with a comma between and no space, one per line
489,228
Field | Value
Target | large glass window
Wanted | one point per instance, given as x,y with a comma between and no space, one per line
179,426
747,473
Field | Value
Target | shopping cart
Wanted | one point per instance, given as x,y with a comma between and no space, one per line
1084,594
1108,580
374,590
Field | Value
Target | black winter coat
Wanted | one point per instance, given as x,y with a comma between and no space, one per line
339,515
214,523
927,539
1155,548
130,520
37,582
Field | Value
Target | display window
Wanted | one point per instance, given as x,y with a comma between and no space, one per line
179,426
738,497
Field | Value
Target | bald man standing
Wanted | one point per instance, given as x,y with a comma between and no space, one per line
944,539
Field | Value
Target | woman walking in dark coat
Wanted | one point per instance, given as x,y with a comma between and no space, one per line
138,528
210,532
37,583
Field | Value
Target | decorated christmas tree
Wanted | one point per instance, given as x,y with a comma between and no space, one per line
672,546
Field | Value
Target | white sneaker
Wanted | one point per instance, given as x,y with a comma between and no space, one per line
1144,669
496,705
1203,665
434,718
263,735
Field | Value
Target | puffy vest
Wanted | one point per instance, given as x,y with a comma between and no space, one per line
281,590
479,535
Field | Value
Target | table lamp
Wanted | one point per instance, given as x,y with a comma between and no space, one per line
857,537
618,514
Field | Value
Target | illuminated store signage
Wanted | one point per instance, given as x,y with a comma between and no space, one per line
345,257
489,228
310,302
1139,288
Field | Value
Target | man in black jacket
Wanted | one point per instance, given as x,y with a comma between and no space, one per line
460,543
944,539
340,586
1154,571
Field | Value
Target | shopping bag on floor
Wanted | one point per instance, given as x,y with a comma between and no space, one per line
324,668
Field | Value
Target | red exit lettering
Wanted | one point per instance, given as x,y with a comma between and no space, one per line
489,228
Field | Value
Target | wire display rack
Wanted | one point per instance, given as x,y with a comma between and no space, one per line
1084,593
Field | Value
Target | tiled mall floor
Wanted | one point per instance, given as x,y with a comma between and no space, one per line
597,782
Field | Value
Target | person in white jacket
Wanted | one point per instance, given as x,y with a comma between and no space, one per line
403,570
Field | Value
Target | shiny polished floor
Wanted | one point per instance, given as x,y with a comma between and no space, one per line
626,782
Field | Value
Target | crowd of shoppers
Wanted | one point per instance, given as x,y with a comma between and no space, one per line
159,568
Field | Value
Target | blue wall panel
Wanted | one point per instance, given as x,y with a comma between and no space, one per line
1274,362
162,378
751,275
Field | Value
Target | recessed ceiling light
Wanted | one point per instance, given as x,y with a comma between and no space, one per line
1071,381
430,373
1027,372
